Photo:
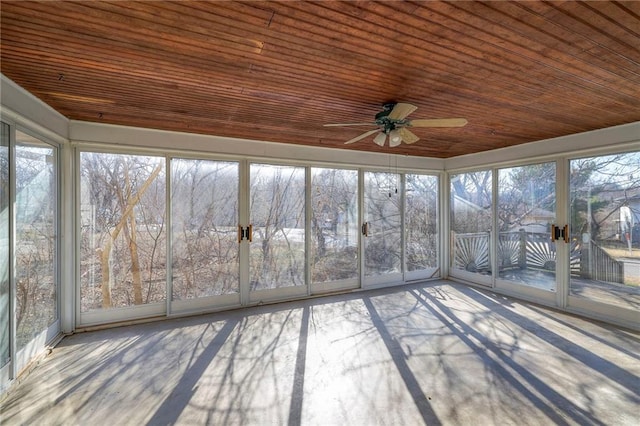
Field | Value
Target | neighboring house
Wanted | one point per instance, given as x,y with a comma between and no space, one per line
536,221
621,220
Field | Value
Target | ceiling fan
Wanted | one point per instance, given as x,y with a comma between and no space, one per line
392,121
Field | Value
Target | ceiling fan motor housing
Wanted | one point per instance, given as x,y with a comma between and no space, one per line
388,124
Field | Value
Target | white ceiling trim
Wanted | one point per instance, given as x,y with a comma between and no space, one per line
625,136
25,109
125,136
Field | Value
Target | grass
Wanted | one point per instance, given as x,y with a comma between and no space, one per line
617,253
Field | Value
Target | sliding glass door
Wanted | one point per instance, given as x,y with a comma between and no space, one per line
382,228
5,249
276,233
36,249
470,220
605,233
207,234
579,251
205,254
335,236
29,247
421,227
519,203
526,212
122,236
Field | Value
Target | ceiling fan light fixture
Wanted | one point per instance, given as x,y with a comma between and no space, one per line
380,138
395,138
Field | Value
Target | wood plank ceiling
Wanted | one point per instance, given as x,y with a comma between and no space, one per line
277,71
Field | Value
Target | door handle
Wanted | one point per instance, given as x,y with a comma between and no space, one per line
557,233
365,229
245,233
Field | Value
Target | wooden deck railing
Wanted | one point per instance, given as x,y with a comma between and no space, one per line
596,264
530,250
471,251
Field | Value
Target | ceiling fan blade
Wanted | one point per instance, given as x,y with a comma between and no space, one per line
348,124
380,139
439,122
401,110
408,136
362,136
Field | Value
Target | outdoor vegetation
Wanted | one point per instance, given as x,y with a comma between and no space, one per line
605,224
334,225
123,223
204,220
605,198
36,238
421,222
123,248
382,204
5,312
277,199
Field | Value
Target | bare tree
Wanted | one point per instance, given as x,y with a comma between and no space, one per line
525,192
421,213
277,215
35,248
123,191
471,198
383,216
204,203
600,186
334,224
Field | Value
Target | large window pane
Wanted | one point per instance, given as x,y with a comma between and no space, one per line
334,224
526,210
382,245
5,312
36,237
278,218
605,229
122,249
470,206
421,222
204,207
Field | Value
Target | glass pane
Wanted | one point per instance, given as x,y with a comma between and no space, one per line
383,219
421,222
122,216
605,229
204,219
277,255
334,224
36,239
526,210
470,207
5,324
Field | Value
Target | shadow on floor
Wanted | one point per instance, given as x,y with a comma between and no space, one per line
429,353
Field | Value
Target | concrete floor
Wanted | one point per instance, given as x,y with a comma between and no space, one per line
432,353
